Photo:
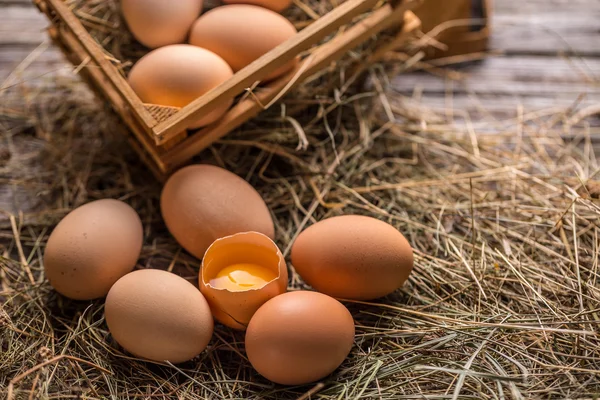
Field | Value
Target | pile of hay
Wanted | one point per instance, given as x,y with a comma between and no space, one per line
503,301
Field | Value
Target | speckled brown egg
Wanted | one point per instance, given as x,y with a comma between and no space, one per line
156,23
178,74
353,257
202,203
92,247
275,5
299,337
241,33
158,316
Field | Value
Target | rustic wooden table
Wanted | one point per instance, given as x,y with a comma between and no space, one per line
551,55
550,59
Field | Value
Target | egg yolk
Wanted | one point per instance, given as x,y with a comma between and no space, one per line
241,277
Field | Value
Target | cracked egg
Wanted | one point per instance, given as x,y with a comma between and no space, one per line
239,274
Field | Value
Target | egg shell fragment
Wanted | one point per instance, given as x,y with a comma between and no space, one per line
158,316
352,257
202,203
178,74
157,23
92,247
241,33
299,337
235,309
274,5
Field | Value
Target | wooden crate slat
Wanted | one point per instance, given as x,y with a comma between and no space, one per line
73,47
93,49
249,107
264,65
158,133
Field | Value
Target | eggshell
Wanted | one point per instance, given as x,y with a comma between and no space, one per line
352,257
159,316
202,203
177,75
275,5
92,247
299,337
156,23
235,309
241,33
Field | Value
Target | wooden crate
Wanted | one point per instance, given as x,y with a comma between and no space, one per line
463,26
159,134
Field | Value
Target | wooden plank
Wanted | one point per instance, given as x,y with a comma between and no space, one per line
22,24
571,31
49,62
532,27
264,65
546,26
541,76
6,3
516,6
489,107
19,157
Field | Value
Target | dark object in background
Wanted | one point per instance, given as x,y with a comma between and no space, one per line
447,21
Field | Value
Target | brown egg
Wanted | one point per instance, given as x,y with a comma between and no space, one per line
202,203
178,74
239,274
241,33
275,5
299,337
92,247
353,257
156,23
158,316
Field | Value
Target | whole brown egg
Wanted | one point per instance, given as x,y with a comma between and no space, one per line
203,203
92,247
353,257
241,33
159,316
299,337
156,23
178,74
275,5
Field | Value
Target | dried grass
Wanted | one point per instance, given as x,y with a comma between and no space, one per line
503,217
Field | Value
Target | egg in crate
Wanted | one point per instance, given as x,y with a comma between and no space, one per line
156,23
275,5
353,257
178,74
241,33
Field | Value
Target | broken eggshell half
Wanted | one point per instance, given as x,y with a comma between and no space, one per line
235,307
